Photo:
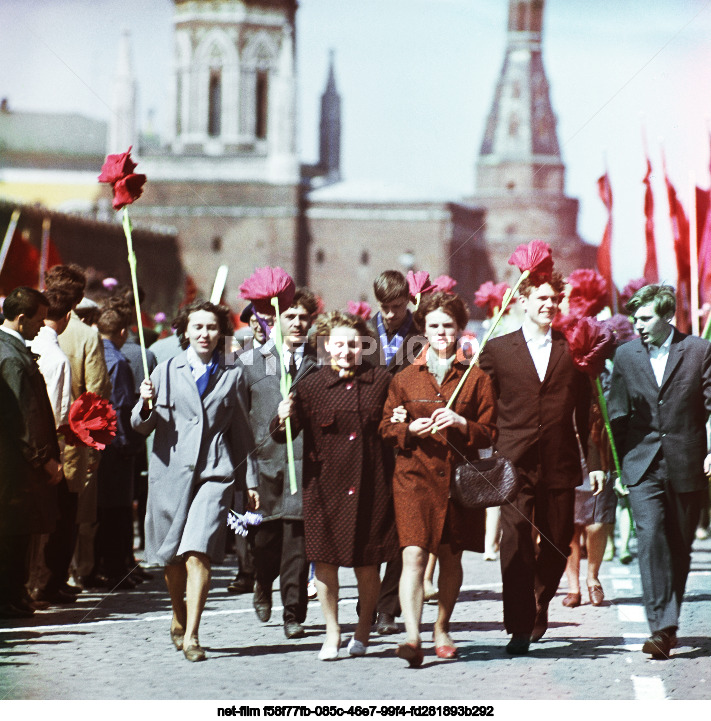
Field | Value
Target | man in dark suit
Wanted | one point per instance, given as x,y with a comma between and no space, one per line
397,344
279,548
541,395
29,452
660,400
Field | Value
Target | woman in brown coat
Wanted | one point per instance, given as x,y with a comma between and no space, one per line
348,512
431,440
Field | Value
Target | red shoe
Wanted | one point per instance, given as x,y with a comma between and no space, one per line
411,653
446,651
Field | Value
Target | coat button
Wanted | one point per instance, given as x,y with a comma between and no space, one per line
660,402
664,435
349,386
351,491
352,437
441,473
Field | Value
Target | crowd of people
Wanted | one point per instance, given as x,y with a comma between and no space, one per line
351,465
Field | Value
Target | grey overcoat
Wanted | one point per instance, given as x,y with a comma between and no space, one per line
262,397
201,447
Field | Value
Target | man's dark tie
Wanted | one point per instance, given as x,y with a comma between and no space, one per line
292,366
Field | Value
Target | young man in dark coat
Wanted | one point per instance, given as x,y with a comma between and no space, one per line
542,399
279,540
29,452
660,400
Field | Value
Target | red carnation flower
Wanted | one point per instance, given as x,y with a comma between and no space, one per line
418,283
117,167
92,422
360,308
536,258
265,284
590,343
491,297
128,189
443,284
588,292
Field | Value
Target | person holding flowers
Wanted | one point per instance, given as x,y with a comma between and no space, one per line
660,400
348,512
432,438
542,397
202,442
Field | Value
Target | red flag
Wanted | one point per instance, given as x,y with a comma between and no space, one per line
680,233
21,264
604,255
651,272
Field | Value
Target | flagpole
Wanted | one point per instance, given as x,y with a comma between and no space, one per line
693,257
44,252
8,237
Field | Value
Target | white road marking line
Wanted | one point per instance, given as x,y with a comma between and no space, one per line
622,584
648,688
632,614
619,570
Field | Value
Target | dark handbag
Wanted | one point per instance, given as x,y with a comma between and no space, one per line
485,482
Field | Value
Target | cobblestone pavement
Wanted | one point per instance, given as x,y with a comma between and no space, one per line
117,646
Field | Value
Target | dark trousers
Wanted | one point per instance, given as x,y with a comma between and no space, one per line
60,544
279,550
114,538
666,522
13,567
389,599
536,531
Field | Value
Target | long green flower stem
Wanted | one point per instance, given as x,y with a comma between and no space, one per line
495,321
127,228
284,387
606,420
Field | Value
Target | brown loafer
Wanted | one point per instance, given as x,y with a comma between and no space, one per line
194,652
410,653
572,600
597,595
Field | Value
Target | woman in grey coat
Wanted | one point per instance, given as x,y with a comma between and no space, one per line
202,441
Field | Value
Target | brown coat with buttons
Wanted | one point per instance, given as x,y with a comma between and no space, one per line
348,511
424,466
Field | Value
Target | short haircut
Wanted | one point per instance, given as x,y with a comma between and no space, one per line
448,303
528,285
221,312
72,276
306,299
391,285
113,320
338,319
23,301
661,297
61,301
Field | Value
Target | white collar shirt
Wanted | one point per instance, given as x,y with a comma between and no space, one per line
658,356
56,371
298,356
540,350
14,334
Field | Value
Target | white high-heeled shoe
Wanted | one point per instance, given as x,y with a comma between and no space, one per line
356,648
328,653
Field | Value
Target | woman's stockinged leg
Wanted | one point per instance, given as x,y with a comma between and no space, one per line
327,590
197,586
368,579
414,563
450,581
175,579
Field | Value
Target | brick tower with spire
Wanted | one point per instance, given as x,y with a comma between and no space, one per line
520,175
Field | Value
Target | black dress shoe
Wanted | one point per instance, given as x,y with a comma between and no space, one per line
120,583
385,624
540,625
262,602
660,643
92,581
518,645
293,629
10,611
72,590
142,573
243,583
53,596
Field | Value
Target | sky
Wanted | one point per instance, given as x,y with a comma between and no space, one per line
417,78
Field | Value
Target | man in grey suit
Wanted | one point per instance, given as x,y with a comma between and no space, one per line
279,540
660,400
